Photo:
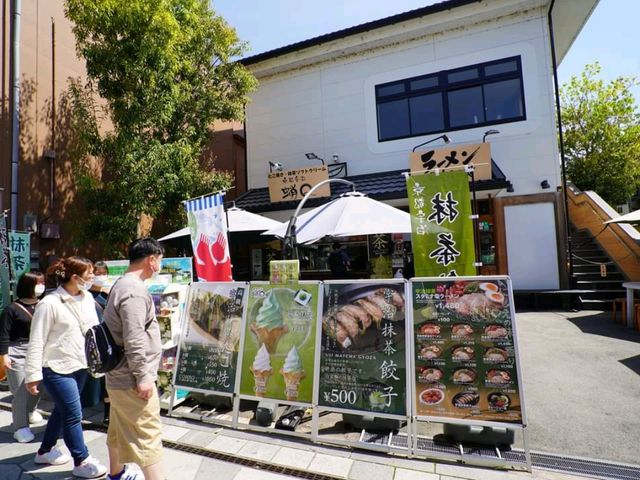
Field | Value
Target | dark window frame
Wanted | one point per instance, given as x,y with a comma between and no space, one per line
444,87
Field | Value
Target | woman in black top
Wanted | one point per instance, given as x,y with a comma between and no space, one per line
15,325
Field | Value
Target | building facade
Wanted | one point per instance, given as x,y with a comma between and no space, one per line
371,93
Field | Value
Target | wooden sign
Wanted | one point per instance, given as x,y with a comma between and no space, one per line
295,184
452,158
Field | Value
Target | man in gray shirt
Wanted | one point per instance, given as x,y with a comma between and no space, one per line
135,428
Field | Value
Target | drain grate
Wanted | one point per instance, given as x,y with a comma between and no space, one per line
591,468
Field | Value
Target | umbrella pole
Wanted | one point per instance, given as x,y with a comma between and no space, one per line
289,250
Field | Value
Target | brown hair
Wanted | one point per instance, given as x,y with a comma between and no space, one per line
61,271
26,287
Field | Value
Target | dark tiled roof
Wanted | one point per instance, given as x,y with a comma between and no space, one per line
365,27
380,186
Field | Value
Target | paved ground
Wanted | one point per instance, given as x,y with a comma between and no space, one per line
581,389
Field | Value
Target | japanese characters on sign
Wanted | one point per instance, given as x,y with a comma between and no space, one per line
20,252
5,290
278,360
295,184
477,155
380,250
362,356
465,352
441,225
209,347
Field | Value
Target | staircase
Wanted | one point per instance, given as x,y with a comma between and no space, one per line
595,292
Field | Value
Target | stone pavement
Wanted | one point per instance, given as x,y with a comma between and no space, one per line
272,452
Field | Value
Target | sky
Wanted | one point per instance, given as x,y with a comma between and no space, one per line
611,35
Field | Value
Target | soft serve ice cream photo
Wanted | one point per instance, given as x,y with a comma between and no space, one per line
293,374
261,370
269,326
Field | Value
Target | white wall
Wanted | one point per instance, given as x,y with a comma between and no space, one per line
531,237
330,108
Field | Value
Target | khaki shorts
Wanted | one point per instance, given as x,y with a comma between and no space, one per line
135,428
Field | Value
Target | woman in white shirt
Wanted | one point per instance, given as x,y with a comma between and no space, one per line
56,358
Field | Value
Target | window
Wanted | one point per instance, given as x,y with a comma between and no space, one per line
468,97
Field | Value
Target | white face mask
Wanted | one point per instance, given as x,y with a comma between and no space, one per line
39,290
85,285
100,280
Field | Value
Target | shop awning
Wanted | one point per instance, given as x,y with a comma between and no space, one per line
379,186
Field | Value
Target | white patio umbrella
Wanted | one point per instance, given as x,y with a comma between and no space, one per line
352,213
239,221
633,217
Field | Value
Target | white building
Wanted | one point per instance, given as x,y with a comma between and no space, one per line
372,92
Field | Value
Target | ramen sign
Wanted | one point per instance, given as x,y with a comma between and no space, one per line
476,154
295,184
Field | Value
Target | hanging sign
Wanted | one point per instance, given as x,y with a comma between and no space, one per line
380,249
466,361
20,252
441,226
5,289
279,341
209,345
363,354
476,154
295,184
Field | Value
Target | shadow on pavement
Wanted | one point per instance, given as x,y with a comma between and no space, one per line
603,325
632,363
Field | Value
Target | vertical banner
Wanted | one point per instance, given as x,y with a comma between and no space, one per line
20,253
380,248
466,361
441,226
209,346
5,289
280,341
208,225
363,348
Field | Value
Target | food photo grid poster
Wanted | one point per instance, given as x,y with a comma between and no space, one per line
279,341
210,342
465,356
363,354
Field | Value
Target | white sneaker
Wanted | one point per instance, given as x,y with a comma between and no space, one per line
35,417
24,435
89,468
130,474
52,457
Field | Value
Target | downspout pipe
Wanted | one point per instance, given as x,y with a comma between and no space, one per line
15,108
563,160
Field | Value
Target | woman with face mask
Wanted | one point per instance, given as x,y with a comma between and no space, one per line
15,325
56,359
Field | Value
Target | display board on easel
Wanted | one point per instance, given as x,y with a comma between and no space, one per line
209,346
466,367
363,352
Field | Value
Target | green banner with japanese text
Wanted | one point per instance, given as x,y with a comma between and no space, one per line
5,289
441,225
20,253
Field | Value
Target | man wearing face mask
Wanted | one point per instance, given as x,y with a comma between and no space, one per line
135,428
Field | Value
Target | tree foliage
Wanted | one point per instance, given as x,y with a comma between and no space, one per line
601,135
159,73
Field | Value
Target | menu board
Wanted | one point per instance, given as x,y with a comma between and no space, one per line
209,346
279,342
465,355
172,270
363,348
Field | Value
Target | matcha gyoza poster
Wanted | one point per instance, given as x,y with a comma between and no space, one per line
363,348
279,341
210,341
441,226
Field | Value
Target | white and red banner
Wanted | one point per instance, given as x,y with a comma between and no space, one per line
208,224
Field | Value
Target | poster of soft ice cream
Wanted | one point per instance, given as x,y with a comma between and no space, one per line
279,344
466,357
209,345
363,347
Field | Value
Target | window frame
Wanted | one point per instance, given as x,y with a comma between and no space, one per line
444,87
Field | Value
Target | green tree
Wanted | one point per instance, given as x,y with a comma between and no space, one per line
601,135
159,73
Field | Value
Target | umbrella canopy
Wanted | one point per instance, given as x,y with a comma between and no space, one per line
633,217
351,214
239,221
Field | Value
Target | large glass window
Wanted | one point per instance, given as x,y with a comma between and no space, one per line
467,97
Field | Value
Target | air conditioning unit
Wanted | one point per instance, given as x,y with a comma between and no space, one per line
49,230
